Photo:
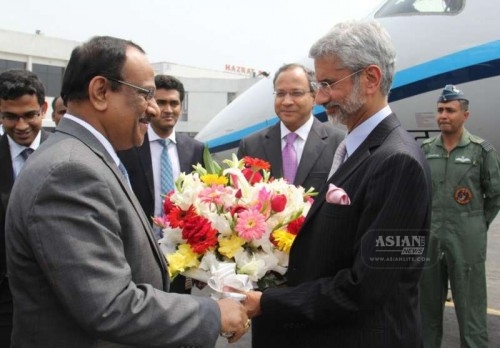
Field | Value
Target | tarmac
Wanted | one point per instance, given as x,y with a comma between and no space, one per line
451,337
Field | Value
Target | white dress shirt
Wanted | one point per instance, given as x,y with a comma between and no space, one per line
16,149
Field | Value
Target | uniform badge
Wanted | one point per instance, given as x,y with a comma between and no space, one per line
463,195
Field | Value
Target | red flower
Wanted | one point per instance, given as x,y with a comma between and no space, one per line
251,176
177,217
167,204
256,163
278,203
199,234
295,225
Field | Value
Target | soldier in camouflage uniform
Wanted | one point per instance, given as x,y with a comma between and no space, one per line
466,198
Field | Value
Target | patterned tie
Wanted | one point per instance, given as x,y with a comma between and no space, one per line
167,176
289,156
124,172
26,153
338,158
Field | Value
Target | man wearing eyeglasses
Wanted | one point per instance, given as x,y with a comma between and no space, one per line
84,267
306,159
145,164
354,267
22,106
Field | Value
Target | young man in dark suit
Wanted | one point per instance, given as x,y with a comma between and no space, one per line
314,143
350,281
22,107
144,164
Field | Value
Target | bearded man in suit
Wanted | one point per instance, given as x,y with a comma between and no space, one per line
84,266
343,289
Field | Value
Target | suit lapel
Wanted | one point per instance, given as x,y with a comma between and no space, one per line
185,151
75,130
144,154
315,143
272,148
362,153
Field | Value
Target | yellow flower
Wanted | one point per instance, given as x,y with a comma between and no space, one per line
181,260
214,179
284,240
230,246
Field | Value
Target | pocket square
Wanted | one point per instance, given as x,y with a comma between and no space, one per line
336,195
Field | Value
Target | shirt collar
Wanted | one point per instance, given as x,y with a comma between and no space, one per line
359,134
16,149
154,137
302,132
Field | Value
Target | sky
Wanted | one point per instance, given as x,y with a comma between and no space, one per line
256,34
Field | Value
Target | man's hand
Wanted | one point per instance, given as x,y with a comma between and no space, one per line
252,303
234,319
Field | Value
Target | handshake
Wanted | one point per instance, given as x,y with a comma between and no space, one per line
236,314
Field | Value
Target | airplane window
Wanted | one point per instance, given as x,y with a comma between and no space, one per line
412,7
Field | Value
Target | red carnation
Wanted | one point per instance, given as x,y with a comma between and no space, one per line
199,234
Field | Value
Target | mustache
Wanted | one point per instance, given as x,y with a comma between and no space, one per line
331,104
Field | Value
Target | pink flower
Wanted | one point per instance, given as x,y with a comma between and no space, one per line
336,195
251,224
213,194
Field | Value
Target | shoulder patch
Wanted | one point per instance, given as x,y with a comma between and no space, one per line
475,139
487,146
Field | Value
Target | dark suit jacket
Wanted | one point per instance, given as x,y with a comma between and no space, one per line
6,183
316,159
337,294
84,266
140,169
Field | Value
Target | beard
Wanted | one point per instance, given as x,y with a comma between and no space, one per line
347,108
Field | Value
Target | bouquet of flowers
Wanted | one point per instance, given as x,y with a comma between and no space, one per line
232,226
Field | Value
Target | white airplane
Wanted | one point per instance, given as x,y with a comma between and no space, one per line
438,42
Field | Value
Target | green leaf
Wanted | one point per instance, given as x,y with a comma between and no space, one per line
211,165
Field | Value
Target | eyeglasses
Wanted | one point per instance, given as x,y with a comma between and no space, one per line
27,117
148,93
293,94
326,87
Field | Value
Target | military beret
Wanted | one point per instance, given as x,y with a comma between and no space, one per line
449,93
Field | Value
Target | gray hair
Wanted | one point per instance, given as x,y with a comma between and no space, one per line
358,44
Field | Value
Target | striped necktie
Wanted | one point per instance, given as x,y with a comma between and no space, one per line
338,158
167,176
